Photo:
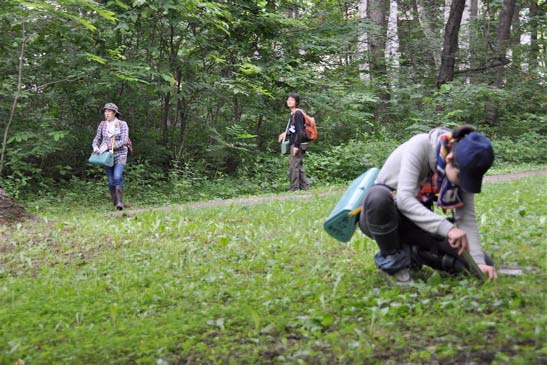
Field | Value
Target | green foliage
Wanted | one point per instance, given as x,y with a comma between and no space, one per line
259,284
528,147
202,84
346,162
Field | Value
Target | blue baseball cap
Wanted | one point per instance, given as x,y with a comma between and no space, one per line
473,156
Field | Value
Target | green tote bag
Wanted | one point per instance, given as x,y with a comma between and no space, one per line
285,143
103,159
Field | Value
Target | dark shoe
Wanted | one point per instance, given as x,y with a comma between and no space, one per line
119,197
401,277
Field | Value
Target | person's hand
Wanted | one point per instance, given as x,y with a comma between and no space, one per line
95,151
294,151
103,148
457,238
490,271
281,137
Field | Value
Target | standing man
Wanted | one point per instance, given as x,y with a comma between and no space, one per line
297,144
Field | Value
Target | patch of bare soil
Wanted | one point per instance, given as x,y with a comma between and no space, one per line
10,210
515,175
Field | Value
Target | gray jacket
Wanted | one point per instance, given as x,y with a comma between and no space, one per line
406,169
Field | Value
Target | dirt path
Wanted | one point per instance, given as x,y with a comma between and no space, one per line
304,195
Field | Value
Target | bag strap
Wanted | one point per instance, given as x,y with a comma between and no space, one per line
287,128
112,143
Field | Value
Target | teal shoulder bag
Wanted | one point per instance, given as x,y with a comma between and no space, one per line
103,159
285,143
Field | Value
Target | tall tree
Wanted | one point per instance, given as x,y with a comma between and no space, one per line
426,17
377,40
503,35
450,43
392,43
15,98
362,44
534,46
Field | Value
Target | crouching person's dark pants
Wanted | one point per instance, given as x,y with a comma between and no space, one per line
402,243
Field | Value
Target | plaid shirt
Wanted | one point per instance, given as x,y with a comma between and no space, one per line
120,140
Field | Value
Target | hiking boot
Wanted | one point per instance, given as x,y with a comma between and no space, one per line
113,194
119,198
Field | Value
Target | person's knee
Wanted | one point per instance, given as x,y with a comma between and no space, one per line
379,206
378,197
378,214
117,180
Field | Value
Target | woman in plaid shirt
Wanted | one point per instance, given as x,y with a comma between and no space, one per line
113,131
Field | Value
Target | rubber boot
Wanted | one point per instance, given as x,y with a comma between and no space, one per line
119,197
440,261
113,194
388,243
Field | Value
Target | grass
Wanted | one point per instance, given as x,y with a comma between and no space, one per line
262,284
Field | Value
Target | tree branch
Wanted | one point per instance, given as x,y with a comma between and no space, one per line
14,105
497,62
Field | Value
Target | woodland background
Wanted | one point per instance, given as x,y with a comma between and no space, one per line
202,84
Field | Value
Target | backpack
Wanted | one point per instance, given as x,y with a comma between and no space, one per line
309,126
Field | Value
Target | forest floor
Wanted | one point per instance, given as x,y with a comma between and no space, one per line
305,195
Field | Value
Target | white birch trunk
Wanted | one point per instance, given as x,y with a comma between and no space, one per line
465,40
392,45
525,37
362,45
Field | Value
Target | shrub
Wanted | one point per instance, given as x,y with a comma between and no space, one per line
346,162
528,147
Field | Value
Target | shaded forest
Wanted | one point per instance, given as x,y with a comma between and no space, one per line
202,83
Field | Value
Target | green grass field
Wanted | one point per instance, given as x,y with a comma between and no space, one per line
262,284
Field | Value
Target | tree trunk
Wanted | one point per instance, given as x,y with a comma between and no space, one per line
236,109
377,14
165,118
465,43
425,17
534,46
259,139
392,44
516,51
10,210
362,45
450,44
502,39
14,105
474,38
503,35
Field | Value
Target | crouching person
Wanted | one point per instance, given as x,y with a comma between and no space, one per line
442,166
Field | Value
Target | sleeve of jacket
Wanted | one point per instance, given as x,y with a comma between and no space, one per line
467,220
98,136
300,128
